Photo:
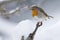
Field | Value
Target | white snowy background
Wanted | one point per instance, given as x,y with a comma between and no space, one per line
23,24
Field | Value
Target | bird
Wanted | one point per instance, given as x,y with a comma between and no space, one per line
38,12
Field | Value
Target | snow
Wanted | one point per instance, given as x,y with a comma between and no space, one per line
50,30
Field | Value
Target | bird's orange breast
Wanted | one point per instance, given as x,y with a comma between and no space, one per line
34,13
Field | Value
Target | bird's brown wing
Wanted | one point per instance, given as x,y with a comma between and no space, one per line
41,10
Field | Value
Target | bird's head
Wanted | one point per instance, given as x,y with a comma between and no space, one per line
33,8
34,11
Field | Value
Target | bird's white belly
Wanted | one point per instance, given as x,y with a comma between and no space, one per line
40,17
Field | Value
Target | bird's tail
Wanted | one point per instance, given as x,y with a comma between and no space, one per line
50,17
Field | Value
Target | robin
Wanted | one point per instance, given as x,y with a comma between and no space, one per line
40,13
